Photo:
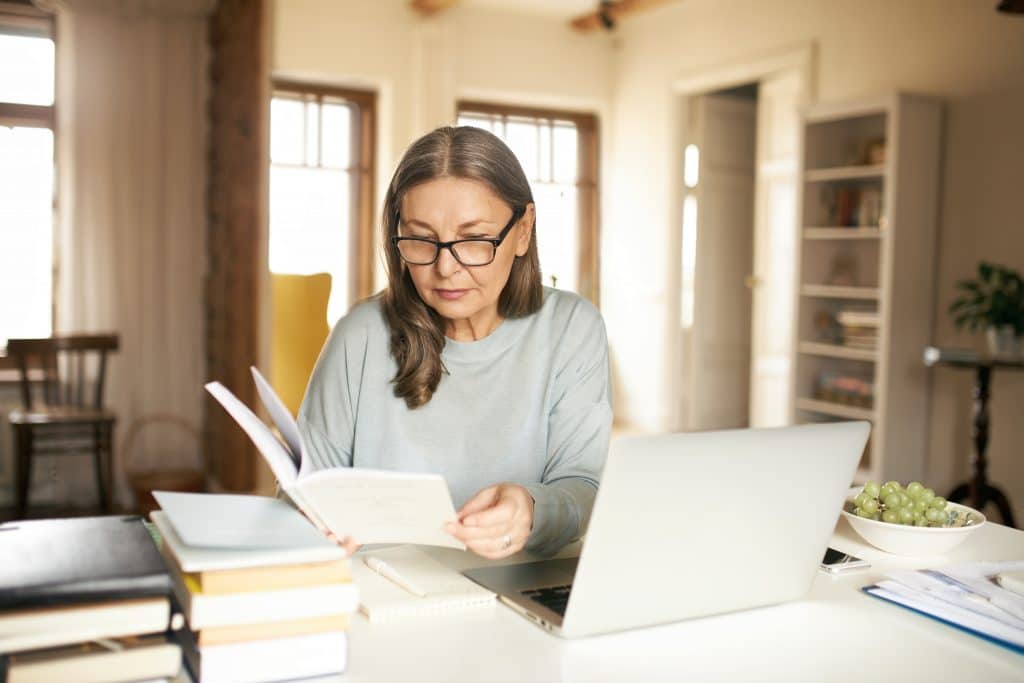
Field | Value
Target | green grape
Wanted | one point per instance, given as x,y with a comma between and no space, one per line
927,495
870,506
934,515
860,499
915,489
906,515
938,502
885,491
892,500
905,499
861,513
872,489
921,522
894,485
920,505
891,516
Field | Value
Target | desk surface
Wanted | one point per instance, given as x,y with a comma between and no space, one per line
836,633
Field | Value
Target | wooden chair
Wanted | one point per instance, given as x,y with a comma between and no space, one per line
66,414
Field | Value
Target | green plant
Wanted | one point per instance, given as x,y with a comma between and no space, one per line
992,299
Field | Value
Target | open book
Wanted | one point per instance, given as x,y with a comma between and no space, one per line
371,506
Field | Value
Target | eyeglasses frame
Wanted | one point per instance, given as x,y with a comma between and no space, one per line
495,242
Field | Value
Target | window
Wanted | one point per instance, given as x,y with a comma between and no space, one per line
321,188
27,172
558,152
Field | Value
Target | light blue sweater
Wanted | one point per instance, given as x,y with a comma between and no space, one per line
528,404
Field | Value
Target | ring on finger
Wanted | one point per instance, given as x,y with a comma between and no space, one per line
506,541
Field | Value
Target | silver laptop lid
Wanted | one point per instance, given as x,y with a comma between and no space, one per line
692,524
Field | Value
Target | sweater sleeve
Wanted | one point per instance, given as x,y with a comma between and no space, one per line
329,412
579,429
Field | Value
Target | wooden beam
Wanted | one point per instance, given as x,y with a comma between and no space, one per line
615,12
430,7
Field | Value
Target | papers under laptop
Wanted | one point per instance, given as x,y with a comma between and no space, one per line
370,506
688,525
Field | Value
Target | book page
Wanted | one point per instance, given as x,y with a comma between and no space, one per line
381,506
280,414
280,461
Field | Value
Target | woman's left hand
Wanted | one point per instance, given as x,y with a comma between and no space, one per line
495,522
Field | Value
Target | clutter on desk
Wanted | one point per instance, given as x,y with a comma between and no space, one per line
966,596
87,600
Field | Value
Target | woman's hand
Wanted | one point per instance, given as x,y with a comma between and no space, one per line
495,522
347,543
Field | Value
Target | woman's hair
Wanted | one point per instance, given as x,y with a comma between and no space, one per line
417,331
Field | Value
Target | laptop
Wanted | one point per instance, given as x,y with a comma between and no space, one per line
693,524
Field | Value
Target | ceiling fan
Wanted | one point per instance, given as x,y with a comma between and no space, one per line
609,12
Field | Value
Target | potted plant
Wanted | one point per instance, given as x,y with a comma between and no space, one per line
993,301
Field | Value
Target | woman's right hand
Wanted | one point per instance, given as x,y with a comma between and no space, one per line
347,543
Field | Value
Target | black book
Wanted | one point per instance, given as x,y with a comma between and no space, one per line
61,562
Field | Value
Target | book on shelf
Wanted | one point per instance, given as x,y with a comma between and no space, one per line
136,658
79,579
347,500
858,318
845,389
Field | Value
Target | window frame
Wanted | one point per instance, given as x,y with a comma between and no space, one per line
23,19
587,183
362,170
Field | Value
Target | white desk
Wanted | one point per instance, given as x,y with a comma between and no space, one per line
836,634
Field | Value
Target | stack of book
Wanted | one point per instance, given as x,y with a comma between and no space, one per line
847,389
859,328
259,613
85,600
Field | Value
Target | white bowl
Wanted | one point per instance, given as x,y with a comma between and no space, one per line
900,539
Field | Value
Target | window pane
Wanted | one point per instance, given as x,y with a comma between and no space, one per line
26,70
310,217
286,131
478,120
337,136
26,232
521,137
566,153
312,133
558,234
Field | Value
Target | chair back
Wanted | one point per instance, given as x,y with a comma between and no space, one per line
72,369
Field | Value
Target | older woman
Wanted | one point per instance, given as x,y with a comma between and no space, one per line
465,365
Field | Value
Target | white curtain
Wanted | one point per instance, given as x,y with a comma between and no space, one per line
131,108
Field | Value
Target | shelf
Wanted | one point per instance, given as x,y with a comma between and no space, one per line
843,233
817,175
837,351
835,409
834,292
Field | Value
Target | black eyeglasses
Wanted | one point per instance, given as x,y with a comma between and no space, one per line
474,251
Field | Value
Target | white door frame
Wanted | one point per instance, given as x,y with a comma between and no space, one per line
801,61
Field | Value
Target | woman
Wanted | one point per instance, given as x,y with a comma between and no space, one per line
465,365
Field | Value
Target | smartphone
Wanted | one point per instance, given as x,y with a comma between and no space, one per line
837,562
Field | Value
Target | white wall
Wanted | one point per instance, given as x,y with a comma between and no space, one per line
960,50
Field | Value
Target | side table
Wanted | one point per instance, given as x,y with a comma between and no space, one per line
977,489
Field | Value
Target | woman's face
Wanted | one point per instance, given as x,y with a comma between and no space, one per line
449,209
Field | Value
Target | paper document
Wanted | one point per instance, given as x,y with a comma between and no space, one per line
963,595
370,506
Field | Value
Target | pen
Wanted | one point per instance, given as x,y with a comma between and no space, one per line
385,570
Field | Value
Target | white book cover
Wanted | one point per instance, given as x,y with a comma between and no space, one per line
278,659
201,559
371,506
445,589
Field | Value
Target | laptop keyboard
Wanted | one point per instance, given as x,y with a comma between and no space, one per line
554,598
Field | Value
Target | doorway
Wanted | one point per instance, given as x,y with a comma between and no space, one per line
739,134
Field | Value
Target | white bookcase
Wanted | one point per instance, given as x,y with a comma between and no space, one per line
868,210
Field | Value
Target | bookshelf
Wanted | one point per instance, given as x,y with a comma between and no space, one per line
868,207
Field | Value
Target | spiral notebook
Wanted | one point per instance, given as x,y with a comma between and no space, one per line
446,589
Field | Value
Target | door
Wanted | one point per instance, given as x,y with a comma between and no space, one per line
775,249
724,130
